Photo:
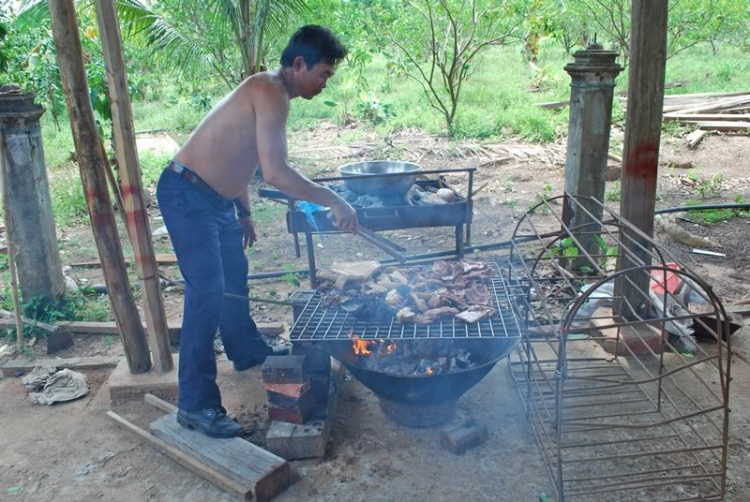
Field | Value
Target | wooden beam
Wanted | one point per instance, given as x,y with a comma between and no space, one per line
642,139
202,470
9,368
91,164
161,259
132,188
723,117
695,137
720,126
259,471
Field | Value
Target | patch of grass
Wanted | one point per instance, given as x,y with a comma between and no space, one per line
68,199
152,164
612,194
714,216
268,213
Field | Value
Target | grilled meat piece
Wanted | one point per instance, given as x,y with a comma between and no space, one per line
405,315
477,294
476,313
432,315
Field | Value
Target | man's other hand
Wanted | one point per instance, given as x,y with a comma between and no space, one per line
248,230
345,217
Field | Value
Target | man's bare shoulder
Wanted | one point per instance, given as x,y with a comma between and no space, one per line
265,86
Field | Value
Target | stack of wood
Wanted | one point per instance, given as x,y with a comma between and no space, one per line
713,111
287,384
710,111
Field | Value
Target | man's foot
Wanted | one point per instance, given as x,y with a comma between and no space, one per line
275,350
212,422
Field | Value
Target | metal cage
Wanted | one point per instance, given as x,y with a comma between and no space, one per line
620,408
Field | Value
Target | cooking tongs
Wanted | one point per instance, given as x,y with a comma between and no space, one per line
390,248
384,244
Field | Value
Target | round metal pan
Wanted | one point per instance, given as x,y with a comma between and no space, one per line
375,183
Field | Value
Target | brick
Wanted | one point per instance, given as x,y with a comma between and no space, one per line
288,389
461,437
641,339
303,403
293,417
285,369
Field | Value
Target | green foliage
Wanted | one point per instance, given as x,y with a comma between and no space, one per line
440,44
68,199
613,193
69,308
714,216
290,277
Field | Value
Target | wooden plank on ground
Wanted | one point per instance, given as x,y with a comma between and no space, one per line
255,469
161,259
720,126
110,328
721,117
694,138
310,440
184,460
76,363
554,105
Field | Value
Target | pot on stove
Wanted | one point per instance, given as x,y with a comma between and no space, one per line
374,183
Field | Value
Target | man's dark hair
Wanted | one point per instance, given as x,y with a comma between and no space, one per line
315,44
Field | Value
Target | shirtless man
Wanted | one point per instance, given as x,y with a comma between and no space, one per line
199,193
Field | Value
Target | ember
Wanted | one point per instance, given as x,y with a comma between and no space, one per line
413,358
415,294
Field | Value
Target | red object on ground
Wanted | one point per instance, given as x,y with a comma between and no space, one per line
673,280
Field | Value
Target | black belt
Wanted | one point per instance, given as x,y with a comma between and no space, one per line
193,178
188,175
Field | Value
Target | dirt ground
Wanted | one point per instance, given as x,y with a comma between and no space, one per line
70,452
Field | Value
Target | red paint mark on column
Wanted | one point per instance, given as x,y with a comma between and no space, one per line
643,161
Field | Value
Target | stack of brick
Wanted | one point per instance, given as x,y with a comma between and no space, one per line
287,384
319,371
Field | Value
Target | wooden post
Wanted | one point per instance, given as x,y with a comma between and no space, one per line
91,164
648,44
130,172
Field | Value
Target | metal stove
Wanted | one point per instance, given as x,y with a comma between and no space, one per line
457,214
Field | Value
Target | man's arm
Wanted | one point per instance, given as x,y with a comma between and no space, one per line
271,113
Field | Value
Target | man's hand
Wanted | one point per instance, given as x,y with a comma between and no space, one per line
248,230
345,217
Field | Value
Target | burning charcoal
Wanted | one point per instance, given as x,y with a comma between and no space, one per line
463,359
405,315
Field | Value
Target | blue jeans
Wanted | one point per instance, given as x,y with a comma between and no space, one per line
207,239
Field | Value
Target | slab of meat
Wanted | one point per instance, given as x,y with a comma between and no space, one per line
433,315
476,313
478,294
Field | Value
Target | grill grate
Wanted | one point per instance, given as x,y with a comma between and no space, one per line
318,323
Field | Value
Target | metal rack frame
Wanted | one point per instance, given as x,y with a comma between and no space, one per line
645,421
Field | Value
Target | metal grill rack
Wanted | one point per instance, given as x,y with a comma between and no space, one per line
641,421
319,323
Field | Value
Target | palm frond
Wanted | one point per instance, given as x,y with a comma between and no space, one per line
31,13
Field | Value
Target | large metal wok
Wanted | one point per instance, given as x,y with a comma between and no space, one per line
422,389
375,183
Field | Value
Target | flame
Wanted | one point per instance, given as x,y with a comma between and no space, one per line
430,371
361,347
390,349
